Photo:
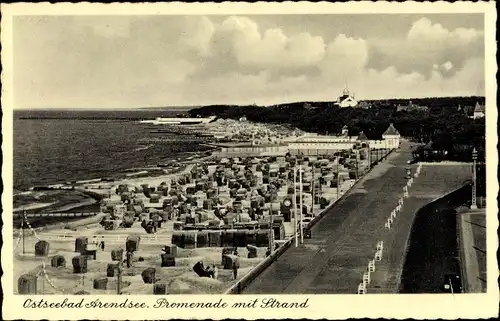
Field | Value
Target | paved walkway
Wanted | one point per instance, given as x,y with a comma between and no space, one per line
345,239
432,183
470,249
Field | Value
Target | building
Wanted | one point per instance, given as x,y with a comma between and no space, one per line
391,136
180,121
362,137
346,100
364,105
479,111
412,107
315,145
248,150
345,131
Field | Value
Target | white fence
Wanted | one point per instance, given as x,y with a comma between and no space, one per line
110,239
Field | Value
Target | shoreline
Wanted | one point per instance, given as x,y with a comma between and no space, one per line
151,180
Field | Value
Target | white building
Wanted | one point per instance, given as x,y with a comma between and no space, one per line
313,145
478,111
392,136
346,100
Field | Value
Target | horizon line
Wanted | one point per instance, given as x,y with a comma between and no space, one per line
232,105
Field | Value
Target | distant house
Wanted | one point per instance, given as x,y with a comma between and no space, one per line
428,152
308,106
345,131
412,107
346,100
364,105
479,111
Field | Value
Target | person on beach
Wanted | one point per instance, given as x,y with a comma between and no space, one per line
235,270
216,272
129,259
208,269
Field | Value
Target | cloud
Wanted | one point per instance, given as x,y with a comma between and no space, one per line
425,31
427,41
193,60
241,38
198,33
447,66
346,58
113,26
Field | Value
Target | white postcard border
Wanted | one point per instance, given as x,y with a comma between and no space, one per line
420,306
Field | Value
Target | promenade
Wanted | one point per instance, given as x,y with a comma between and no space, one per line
334,259
473,249
345,239
423,232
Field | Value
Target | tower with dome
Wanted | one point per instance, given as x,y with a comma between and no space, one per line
347,99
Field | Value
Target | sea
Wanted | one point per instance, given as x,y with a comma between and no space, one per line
56,146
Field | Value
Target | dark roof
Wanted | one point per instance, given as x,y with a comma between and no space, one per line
362,136
343,97
391,130
428,146
479,108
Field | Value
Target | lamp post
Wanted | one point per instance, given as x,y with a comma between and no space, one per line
119,270
271,232
23,222
473,204
298,219
369,156
338,177
295,205
312,189
301,206
357,166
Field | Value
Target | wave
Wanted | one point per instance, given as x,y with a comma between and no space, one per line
143,148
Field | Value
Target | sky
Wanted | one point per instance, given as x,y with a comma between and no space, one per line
165,60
